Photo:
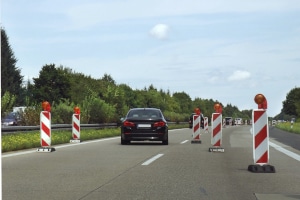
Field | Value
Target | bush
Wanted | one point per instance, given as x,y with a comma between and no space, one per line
62,112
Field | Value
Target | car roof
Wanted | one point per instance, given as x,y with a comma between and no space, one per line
144,109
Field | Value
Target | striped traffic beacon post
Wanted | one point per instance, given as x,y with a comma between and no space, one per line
216,133
45,129
260,132
76,125
206,125
196,126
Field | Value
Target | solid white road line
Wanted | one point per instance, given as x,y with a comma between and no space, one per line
287,152
152,159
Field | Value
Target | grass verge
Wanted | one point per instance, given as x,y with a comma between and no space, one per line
295,128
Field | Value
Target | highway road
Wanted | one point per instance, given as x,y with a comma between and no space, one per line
104,169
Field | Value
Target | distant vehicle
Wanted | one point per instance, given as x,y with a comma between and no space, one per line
274,122
12,119
229,121
191,120
19,109
144,124
238,121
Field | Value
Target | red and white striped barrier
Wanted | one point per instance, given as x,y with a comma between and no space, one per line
206,124
45,132
260,132
75,128
216,134
260,137
196,129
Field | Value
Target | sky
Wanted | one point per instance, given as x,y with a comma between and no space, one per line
228,51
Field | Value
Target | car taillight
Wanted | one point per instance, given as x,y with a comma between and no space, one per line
128,123
159,124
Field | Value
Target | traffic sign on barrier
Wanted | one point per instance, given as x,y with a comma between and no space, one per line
206,125
75,128
260,137
196,129
216,133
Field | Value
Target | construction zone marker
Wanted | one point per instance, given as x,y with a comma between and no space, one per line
45,129
76,126
260,132
206,125
216,133
196,126
196,129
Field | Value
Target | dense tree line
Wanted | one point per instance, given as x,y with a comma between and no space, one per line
100,100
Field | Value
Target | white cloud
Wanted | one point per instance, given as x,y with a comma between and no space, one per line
160,31
239,75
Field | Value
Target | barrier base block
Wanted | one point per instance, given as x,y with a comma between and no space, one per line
45,149
261,168
196,141
74,141
216,149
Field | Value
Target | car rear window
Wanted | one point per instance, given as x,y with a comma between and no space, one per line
144,114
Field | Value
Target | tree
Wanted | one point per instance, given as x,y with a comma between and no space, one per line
11,79
7,102
290,105
231,111
52,85
184,101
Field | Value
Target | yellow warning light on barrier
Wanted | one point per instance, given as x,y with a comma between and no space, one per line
261,101
218,108
76,110
46,106
197,111
259,98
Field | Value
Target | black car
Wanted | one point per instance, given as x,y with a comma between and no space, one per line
191,120
144,124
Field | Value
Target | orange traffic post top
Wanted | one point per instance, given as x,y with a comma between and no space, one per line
76,110
218,108
261,101
197,111
46,106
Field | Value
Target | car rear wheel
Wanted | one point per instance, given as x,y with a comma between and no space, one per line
165,142
123,142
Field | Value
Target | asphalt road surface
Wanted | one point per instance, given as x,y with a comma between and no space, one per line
105,169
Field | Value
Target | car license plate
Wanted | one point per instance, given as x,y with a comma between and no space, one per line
144,125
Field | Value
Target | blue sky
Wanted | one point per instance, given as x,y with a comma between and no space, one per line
222,50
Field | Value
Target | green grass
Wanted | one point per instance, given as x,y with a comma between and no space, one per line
286,126
28,140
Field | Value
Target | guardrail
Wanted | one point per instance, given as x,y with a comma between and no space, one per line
17,129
